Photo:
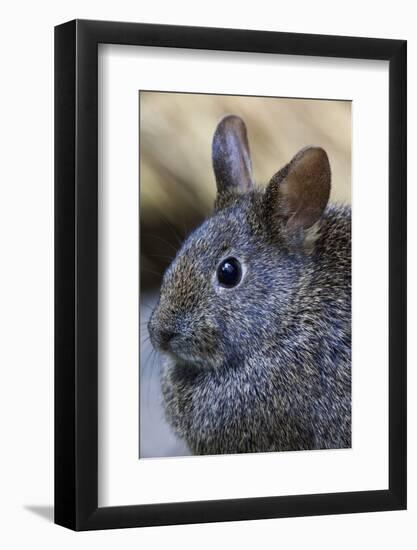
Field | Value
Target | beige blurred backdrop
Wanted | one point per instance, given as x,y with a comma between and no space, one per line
177,190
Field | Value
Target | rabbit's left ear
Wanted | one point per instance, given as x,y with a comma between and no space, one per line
231,158
298,194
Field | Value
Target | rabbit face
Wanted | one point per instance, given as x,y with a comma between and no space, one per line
224,296
215,295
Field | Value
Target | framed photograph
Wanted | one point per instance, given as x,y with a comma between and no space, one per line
230,254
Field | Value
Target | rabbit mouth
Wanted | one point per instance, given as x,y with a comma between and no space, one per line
183,350
195,345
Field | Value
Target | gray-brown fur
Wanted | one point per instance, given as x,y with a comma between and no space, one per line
265,366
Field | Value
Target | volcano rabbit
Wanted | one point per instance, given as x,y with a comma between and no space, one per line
254,314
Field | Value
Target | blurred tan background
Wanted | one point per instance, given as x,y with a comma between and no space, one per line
177,190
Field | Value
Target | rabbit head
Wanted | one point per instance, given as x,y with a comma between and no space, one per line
230,289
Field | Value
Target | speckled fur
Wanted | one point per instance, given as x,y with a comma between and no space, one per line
265,366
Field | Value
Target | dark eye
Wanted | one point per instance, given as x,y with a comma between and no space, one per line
229,272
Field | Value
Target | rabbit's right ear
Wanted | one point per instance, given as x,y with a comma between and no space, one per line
231,158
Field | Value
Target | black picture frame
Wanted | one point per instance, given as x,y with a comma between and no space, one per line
76,272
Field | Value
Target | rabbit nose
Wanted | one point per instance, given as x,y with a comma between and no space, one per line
164,337
163,329
160,336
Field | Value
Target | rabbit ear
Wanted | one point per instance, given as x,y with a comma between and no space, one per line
231,158
299,192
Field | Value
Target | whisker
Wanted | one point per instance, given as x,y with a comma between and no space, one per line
145,375
162,240
151,271
171,258
142,303
178,237
153,358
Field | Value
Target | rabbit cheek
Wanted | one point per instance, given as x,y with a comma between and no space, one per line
189,340
198,347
